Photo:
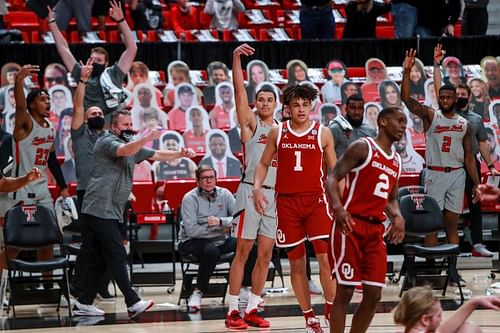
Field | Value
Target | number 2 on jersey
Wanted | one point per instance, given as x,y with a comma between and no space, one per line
41,156
445,148
298,161
382,186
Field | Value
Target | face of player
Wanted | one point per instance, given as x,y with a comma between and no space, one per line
400,145
217,147
257,74
144,96
171,144
218,76
300,73
453,70
186,99
207,180
226,95
59,99
265,104
179,77
415,74
391,96
138,77
52,77
196,118
299,110
395,126
447,100
41,105
476,89
354,112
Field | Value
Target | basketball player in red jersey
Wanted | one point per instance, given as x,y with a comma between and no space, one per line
303,147
371,169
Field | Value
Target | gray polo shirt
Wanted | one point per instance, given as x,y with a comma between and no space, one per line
195,210
477,126
343,138
84,140
110,182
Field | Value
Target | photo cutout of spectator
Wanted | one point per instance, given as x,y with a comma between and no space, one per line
495,118
376,72
181,168
296,71
372,110
185,98
55,74
217,73
197,127
68,166
145,101
417,80
328,112
224,103
453,71
151,120
348,89
234,133
8,77
415,127
9,108
314,114
63,130
390,95
60,99
337,72
177,73
430,94
139,73
480,100
219,155
257,72
491,73
224,13
493,147
412,162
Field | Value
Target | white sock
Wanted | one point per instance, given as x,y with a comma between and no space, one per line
233,303
253,302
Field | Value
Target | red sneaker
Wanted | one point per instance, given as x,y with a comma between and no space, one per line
313,325
253,318
234,321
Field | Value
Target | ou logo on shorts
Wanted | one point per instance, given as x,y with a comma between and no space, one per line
347,271
280,236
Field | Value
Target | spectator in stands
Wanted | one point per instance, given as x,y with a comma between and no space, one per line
491,72
220,114
9,109
417,80
184,17
178,72
297,72
257,72
493,144
61,99
8,76
5,144
55,74
207,215
145,101
197,127
328,112
494,113
219,155
411,161
181,168
348,129
65,10
185,93
420,311
224,13
152,118
430,94
217,73
316,19
390,95
63,130
437,18
404,15
101,8
480,100
348,89
376,72
475,18
146,14
139,73
416,130
337,72
454,71
106,99
361,17
371,113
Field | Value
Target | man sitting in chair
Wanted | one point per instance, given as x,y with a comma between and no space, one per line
207,214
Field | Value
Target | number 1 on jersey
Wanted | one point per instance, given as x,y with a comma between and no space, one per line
298,161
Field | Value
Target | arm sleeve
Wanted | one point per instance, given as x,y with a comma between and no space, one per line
143,154
109,146
56,170
76,133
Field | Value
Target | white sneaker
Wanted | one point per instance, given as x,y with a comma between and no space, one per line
139,308
80,309
313,288
480,250
194,302
64,302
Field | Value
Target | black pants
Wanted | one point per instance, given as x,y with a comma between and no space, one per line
474,22
475,217
208,254
106,252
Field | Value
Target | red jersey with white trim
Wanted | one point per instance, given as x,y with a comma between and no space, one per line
301,169
368,186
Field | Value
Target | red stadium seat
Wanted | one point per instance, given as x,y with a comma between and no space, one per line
24,21
175,189
145,196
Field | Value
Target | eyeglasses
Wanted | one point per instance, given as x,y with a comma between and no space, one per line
58,80
336,70
207,178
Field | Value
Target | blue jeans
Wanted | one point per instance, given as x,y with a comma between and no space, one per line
317,23
405,20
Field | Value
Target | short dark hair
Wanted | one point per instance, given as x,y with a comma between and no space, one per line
465,86
354,98
117,113
303,91
202,168
216,135
387,112
170,137
185,89
32,95
266,88
101,50
448,87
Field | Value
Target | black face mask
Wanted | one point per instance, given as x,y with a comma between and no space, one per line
96,123
461,103
354,123
127,135
97,69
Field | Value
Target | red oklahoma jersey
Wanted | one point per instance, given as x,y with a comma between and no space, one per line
368,186
301,168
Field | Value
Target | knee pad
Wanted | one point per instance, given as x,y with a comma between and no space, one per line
296,252
320,245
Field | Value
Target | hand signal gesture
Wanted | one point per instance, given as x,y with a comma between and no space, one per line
438,54
86,70
51,14
27,70
409,59
243,49
115,10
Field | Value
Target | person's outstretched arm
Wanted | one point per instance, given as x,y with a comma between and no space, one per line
458,318
61,43
24,124
128,56
436,72
78,109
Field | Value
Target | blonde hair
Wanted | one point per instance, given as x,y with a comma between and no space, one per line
414,303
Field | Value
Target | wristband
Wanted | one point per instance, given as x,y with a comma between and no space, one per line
52,20
120,20
84,82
